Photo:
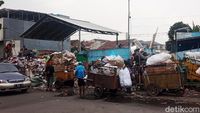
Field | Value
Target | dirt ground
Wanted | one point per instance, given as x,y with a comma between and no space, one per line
45,102
37,101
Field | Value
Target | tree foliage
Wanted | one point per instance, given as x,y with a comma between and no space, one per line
196,28
1,2
177,26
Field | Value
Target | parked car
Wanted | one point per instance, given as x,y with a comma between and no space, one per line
12,80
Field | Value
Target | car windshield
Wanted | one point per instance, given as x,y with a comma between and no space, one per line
7,68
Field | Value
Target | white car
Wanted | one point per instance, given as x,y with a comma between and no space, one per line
12,80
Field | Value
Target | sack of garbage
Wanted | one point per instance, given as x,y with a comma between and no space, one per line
169,61
120,63
158,59
195,55
68,54
198,71
125,77
115,60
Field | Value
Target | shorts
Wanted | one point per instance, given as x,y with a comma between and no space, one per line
81,82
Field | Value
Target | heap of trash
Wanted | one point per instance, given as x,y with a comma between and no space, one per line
160,63
107,65
194,58
62,59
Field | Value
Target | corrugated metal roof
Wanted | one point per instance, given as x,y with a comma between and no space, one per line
58,28
85,25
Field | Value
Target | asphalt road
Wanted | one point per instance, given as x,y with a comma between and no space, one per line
47,102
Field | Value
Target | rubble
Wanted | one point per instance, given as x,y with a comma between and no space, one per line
108,65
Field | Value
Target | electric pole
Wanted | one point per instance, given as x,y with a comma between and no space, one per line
129,17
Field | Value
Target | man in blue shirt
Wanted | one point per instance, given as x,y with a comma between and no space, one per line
80,74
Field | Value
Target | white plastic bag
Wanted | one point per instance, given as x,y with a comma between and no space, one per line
125,78
158,58
195,55
198,71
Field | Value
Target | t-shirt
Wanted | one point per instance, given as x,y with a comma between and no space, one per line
80,71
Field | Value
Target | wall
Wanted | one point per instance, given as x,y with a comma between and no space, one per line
183,35
46,45
1,30
98,54
14,28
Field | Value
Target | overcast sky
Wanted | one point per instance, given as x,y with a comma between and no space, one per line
147,15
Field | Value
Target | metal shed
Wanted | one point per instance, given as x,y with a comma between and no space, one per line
59,28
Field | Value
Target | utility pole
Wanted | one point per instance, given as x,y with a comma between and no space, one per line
129,17
4,40
79,34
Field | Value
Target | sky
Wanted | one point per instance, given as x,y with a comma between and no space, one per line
146,15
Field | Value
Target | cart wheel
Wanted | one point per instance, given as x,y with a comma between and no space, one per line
98,92
180,92
70,91
153,90
58,85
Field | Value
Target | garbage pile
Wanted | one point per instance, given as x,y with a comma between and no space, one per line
194,58
192,55
29,67
62,59
112,66
108,65
160,64
35,66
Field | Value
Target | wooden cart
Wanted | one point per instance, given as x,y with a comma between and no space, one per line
103,83
64,76
163,77
188,68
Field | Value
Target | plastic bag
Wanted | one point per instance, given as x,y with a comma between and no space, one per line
158,58
68,54
125,78
115,60
198,71
195,55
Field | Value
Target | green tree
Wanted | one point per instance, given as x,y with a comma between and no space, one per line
196,28
1,2
177,26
